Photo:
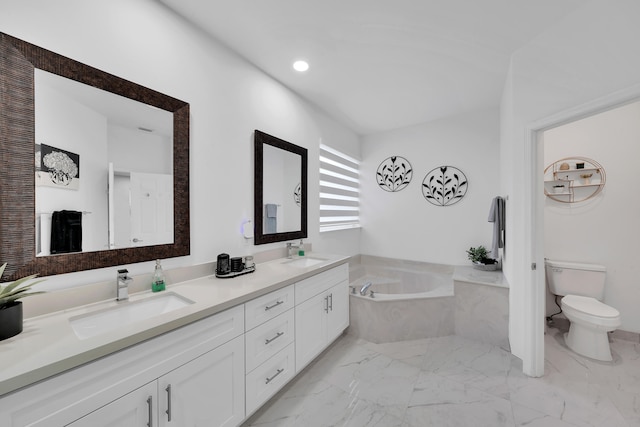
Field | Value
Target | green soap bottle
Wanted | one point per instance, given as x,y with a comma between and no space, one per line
157,283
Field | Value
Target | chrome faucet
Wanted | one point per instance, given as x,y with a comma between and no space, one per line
290,249
122,285
363,289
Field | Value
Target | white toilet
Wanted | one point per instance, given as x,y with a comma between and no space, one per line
582,286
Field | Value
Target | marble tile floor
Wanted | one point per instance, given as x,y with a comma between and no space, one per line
455,381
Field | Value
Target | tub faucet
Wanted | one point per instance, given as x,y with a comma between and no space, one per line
363,289
122,285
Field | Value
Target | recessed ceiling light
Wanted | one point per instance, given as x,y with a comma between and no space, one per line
301,66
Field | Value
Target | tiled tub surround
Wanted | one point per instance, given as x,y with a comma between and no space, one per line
481,306
409,302
414,300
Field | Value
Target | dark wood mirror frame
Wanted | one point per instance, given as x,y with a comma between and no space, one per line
18,59
261,138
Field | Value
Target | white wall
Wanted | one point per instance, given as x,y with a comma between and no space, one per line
132,150
404,224
602,230
587,55
144,42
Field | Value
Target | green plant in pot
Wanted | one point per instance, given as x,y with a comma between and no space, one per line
10,308
480,258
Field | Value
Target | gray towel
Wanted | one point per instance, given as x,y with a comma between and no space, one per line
272,210
271,218
497,217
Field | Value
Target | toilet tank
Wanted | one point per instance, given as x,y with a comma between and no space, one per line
572,278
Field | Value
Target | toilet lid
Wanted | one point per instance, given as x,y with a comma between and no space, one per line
590,306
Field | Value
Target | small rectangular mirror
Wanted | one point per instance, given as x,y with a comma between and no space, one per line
280,190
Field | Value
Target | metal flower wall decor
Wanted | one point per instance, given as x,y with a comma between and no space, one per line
444,186
394,174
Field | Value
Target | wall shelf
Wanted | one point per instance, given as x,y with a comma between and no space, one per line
573,179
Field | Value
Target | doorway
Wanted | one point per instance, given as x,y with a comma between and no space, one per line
533,364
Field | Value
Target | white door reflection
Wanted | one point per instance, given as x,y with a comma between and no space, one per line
141,205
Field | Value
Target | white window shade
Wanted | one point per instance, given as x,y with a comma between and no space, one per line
339,190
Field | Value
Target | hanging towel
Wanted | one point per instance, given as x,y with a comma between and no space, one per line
271,218
497,217
66,232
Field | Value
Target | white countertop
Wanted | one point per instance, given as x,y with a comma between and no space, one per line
48,345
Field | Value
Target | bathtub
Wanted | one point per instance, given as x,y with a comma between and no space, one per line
410,300
409,286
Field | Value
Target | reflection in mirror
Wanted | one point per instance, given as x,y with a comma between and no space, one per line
120,152
22,235
280,200
281,177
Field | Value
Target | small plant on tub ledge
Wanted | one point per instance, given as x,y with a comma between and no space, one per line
480,259
10,308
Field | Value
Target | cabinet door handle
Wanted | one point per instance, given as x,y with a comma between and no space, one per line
269,307
270,340
326,304
150,405
168,411
331,301
278,372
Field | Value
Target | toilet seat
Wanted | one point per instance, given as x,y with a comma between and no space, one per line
590,310
591,306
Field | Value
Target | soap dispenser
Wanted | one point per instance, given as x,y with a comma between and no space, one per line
157,283
301,249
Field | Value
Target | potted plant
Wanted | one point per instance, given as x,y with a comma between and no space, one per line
480,259
10,308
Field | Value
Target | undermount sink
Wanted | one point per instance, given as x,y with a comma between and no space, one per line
126,313
304,262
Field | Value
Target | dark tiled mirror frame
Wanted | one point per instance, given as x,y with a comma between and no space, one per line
260,238
17,150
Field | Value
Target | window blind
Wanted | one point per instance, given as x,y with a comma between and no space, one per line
339,190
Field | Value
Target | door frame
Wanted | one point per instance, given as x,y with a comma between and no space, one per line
534,292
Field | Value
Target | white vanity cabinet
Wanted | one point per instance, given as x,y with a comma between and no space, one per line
216,371
269,349
205,359
206,391
291,327
209,390
322,312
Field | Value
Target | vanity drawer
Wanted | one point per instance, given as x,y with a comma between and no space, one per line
268,306
264,341
268,378
312,286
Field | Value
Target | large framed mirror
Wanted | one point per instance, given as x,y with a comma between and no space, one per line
280,189
73,141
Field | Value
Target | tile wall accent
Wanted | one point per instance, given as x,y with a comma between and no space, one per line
482,313
389,321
